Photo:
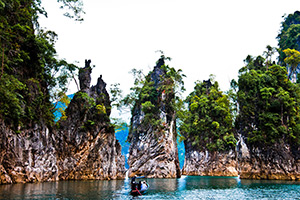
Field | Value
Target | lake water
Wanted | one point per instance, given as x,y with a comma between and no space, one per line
187,187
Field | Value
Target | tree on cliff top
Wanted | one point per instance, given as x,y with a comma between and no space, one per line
30,71
289,35
269,104
292,60
209,122
163,84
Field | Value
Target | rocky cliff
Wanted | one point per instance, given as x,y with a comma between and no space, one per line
205,163
82,146
280,161
153,150
87,147
27,156
209,135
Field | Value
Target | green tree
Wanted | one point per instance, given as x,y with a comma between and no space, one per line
165,86
268,105
268,54
209,121
289,35
115,94
30,72
293,60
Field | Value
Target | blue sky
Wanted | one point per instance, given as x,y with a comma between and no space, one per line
201,37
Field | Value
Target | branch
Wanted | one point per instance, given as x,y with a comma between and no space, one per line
76,9
75,81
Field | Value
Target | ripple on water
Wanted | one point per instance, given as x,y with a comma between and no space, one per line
186,187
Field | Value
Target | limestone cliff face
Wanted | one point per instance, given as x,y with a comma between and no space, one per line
279,162
153,151
28,156
87,147
81,147
205,163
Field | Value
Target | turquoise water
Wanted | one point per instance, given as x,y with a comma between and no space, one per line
187,187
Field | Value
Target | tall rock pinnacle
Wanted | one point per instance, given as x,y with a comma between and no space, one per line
153,151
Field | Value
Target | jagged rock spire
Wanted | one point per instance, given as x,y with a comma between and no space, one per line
153,151
85,76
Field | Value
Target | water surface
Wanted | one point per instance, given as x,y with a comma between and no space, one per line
187,187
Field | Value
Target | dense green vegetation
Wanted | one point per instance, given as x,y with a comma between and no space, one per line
288,37
264,103
267,101
209,121
31,75
263,106
163,85
268,104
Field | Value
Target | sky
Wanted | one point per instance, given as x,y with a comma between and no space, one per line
201,37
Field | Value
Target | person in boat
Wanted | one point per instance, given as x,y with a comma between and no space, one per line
133,183
136,185
144,186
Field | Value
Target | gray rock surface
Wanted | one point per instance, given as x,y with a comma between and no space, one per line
205,163
79,148
153,151
85,76
28,156
279,162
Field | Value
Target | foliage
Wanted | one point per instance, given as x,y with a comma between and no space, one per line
11,99
268,55
61,106
74,9
90,102
148,107
29,64
90,110
268,104
163,85
292,59
64,101
209,122
100,109
232,95
115,94
289,35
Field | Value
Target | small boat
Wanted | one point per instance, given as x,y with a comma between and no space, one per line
138,188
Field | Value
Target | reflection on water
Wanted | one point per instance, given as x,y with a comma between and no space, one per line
62,189
204,182
163,185
187,187
248,183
